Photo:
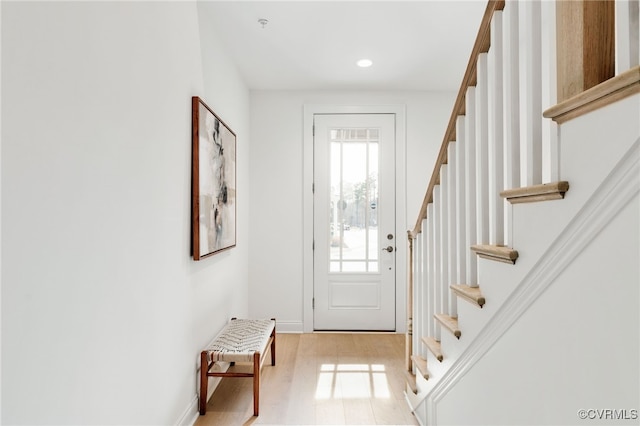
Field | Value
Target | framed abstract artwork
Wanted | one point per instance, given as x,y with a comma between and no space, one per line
213,182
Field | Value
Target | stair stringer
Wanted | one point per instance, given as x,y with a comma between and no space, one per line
416,401
618,188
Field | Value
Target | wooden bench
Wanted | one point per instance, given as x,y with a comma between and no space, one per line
241,340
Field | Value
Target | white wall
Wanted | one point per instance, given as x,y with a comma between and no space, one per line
103,310
276,161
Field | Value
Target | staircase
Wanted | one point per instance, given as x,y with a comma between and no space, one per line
524,256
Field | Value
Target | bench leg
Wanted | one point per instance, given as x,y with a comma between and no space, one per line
204,381
273,344
256,383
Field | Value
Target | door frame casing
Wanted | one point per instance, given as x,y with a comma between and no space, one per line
307,199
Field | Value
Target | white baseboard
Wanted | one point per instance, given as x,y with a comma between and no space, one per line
190,414
289,326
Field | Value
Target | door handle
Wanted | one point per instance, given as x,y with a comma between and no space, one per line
389,249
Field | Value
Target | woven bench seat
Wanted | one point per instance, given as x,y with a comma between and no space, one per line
241,340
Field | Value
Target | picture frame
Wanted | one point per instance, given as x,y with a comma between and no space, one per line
213,182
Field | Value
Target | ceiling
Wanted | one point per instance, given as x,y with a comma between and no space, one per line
414,45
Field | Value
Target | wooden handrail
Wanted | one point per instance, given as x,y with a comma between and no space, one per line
483,41
586,82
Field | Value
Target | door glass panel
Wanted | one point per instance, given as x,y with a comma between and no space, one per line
353,200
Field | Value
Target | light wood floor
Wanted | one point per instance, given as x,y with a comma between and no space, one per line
320,379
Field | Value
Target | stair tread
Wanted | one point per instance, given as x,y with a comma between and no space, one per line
434,346
421,365
534,193
470,294
450,323
497,253
411,381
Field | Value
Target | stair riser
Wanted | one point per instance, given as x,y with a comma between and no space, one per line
453,346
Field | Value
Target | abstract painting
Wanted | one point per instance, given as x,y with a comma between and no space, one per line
213,181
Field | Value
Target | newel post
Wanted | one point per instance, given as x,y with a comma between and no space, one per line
585,44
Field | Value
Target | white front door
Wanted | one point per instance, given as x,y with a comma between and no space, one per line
354,222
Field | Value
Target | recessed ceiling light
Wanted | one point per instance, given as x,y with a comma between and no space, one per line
364,63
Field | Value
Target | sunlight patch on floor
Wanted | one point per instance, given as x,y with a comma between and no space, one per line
352,381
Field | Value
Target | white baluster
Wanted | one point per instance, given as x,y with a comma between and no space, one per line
550,148
444,239
424,317
418,294
511,70
470,186
431,245
627,35
461,215
438,250
452,239
482,152
530,93
496,142
426,305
